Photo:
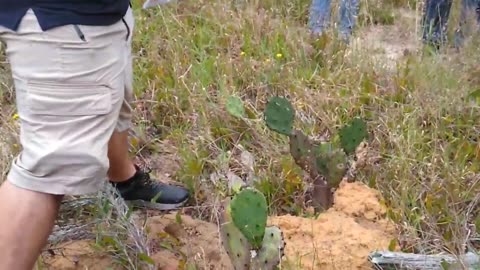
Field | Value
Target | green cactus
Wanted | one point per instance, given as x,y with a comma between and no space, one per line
279,115
301,150
327,161
249,214
235,243
272,249
247,210
352,135
332,164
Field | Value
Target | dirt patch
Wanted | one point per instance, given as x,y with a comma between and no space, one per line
172,245
193,240
342,237
76,255
389,43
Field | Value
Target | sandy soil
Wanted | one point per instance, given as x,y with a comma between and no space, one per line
172,244
389,43
340,238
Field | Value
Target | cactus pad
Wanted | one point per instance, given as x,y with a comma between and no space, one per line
235,243
322,153
249,214
336,167
352,135
235,107
332,164
271,252
301,150
279,115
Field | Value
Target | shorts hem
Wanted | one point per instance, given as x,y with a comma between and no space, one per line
123,127
52,186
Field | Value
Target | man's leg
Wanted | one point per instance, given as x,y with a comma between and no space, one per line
469,7
69,94
121,166
319,16
435,22
348,16
134,184
27,218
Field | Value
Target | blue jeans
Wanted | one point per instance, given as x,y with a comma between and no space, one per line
436,17
468,6
320,16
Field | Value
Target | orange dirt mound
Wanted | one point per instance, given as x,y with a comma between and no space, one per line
343,236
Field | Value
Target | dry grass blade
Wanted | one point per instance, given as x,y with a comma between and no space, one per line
121,225
70,233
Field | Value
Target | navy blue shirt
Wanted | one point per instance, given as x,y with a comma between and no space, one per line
53,13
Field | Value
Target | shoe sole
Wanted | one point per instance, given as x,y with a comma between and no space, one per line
156,206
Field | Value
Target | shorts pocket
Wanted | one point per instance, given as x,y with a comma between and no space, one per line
68,99
129,23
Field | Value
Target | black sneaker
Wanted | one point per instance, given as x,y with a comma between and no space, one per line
142,191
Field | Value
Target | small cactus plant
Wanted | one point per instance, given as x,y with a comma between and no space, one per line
326,164
244,232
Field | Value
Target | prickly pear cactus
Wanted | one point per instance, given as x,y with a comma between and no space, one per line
272,249
327,164
235,243
301,150
249,214
279,115
352,135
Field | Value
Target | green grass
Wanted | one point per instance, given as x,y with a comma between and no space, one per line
192,55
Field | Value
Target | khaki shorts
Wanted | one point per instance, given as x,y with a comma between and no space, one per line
73,87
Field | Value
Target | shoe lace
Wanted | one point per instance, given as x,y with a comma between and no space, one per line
146,180
149,183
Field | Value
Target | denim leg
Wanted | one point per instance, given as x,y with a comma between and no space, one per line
468,7
435,21
348,16
319,15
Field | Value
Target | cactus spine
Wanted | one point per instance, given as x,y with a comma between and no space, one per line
244,230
